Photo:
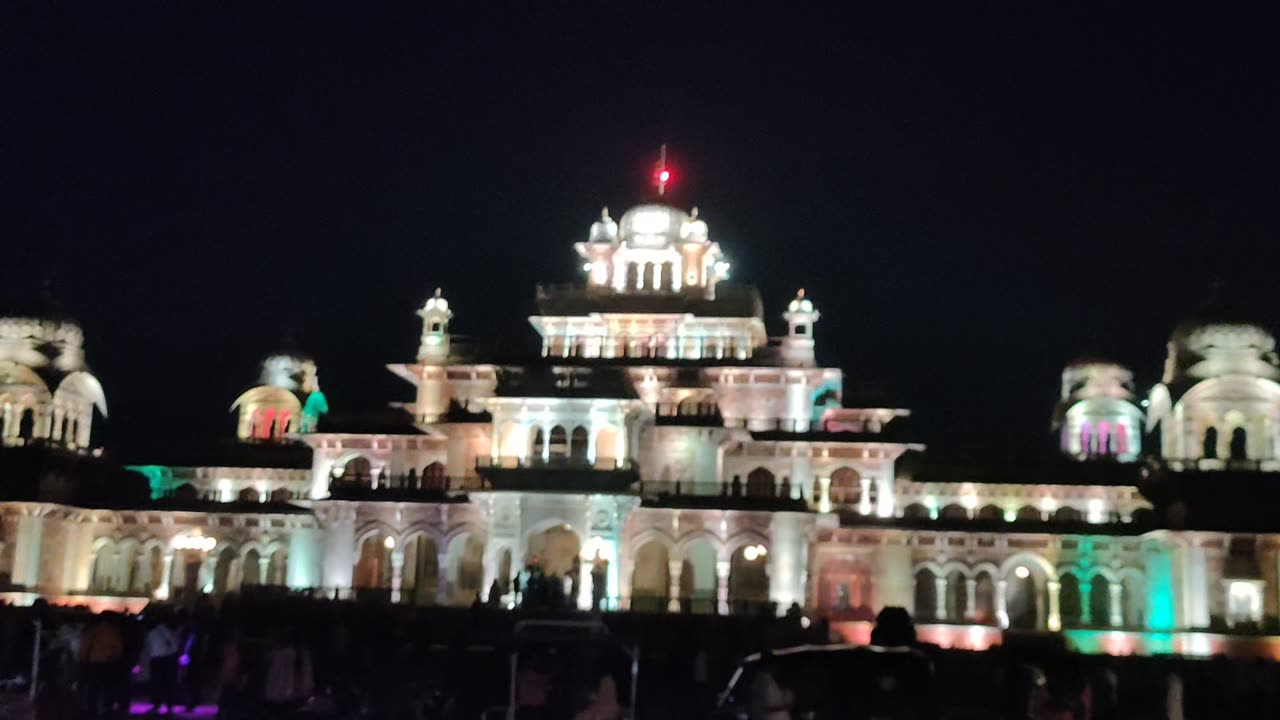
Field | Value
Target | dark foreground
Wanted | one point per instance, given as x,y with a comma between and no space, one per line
294,657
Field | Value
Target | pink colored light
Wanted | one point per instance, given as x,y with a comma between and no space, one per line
664,176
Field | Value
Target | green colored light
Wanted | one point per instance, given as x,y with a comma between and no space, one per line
1160,591
159,477
315,406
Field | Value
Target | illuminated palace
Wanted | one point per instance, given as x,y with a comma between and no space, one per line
661,452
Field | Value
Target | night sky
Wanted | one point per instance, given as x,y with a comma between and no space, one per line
972,197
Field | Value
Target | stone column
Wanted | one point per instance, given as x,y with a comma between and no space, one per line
674,568
1054,621
824,494
1086,612
1117,614
722,586
1002,608
264,567
303,571
864,495
397,573
166,574
970,599
339,549
940,597
26,549
443,596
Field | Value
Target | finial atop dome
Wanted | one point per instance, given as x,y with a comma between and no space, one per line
604,214
800,303
693,213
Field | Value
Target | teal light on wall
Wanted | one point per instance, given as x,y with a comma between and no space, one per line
315,406
1160,591
158,476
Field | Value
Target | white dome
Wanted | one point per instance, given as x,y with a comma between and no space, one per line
653,226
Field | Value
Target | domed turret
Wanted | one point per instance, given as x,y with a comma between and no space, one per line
798,345
46,392
653,248
435,315
287,400
1219,399
1096,415
433,353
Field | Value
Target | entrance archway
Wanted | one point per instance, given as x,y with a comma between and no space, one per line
421,572
926,595
373,563
226,572
748,581
650,580
466,568
698,578
1026,596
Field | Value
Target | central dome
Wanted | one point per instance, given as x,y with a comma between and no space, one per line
659,226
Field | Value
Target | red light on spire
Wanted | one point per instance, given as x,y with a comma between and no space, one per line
661,174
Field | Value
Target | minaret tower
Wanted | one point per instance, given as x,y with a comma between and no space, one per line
797,346
433,353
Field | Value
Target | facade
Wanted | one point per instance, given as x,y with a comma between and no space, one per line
657,435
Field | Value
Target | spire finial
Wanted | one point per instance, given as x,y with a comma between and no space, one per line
693,213
437,292
604,214
801,293
662,175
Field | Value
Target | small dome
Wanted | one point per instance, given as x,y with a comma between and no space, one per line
604,230
1226,336
289,372
653,226
800,303
436,303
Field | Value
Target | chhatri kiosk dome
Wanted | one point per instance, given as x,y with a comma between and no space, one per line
1219,399
286,400
654,248
47,393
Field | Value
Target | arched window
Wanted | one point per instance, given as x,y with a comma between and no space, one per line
926,595
1069,600
1122,439
666,277
578,442
1239,444
1086,436
559,442
915,511
248,495
1104,438
358,469
1066,514
433,476
186,492
846,488
539,445
280,495
27,425
990,512
953,512
1029,513
1211,443
760,483
1099,601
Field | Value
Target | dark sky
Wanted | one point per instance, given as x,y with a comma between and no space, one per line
971,196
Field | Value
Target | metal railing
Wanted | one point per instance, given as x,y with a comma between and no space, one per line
553,463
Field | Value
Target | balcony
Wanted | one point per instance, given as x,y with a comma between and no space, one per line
716,496
404,488
572,475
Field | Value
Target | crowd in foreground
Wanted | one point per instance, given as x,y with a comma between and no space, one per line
298,657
